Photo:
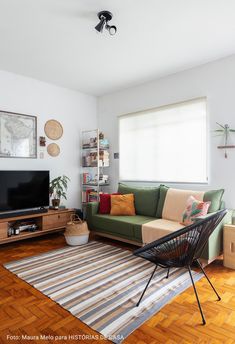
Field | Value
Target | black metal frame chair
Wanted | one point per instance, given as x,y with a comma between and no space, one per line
181,249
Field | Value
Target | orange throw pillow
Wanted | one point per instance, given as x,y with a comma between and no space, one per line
122,205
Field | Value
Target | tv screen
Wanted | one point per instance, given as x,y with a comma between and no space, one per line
23,190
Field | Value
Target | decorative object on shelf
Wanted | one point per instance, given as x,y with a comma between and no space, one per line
76,232
42,141
53,129
91,159
22,226
58,189
225,130
18,135
53,149
88,179
105,17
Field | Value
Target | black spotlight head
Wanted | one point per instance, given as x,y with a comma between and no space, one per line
99,27
111,29
105,17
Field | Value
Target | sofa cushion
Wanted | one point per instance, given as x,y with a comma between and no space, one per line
124,226
146,198
215,197
175,203
194,209
157,229
162,195
122,205
105,203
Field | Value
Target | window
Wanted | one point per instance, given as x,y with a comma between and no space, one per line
165,144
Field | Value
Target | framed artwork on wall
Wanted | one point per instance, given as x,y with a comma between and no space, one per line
18,135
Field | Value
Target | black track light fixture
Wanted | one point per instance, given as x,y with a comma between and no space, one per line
105,17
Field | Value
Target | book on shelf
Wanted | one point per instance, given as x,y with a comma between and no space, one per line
93,196
89,143
85,195
86,178
85,145
90,160
90,195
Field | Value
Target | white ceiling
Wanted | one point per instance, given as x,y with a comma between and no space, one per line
55,40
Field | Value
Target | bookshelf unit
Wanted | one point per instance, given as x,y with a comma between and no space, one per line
95,160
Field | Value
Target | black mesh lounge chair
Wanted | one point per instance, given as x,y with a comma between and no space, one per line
181,249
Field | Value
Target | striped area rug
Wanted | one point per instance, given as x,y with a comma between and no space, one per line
100,285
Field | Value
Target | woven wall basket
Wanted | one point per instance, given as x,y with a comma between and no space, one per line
53,129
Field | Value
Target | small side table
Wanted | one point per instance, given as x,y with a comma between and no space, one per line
229,246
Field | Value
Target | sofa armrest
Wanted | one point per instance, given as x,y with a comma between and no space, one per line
214,247
92,208
222,205
227,219
199,218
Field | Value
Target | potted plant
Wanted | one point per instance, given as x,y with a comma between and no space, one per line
58,189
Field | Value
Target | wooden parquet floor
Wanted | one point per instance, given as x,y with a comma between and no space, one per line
24,311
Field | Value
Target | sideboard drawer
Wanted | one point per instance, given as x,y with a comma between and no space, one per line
3,230
55,220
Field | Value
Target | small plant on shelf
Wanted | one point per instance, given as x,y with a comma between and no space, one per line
58,189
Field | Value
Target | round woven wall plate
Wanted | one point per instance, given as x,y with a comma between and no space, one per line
53,129
53,149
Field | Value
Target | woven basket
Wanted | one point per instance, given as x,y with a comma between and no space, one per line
76,227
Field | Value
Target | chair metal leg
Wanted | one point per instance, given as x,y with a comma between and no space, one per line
168,271
146,286
219,298
195,291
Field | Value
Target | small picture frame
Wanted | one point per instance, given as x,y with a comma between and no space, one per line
42,141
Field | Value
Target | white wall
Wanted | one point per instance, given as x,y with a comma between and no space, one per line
216,81
76,112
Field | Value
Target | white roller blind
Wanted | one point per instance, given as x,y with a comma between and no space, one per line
165,144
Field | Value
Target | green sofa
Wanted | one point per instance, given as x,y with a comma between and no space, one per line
150,205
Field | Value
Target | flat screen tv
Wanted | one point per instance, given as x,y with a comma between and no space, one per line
23,190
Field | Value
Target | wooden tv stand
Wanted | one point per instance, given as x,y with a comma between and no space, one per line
52,221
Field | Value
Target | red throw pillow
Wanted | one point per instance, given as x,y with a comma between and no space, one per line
105,203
